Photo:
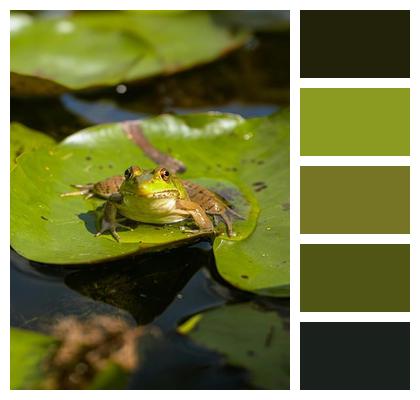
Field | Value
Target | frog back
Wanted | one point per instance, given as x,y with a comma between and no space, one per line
210,201
107,187
183,193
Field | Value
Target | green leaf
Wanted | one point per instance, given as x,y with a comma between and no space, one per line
28,350
244,161
256,20
50,56
112,377
248,338
23,140
261,263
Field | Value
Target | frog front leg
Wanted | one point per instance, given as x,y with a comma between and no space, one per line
109,219
188,207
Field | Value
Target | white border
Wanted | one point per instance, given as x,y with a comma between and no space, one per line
355,83
294,6
294,199
355,161
354,239
5,200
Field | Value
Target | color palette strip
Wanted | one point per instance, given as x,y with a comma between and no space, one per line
355,277
355,355
355,122
356,200
355,44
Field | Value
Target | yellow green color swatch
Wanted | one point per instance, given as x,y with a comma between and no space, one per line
355,122
355,200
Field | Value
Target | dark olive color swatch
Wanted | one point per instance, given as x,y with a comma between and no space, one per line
355,277
355,44
355,122
359,200
355,355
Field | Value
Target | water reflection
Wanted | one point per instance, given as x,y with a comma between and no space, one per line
162,288
143,286
174,362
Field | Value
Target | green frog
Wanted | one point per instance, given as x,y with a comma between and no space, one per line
156,197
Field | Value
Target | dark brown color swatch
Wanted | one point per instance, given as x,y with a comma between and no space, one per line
355,44
355,277
355,200
355,355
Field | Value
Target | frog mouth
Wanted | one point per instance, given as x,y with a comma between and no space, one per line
164,195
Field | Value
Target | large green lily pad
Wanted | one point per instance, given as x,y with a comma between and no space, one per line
245,161
260,262
86,50
23,139
248,337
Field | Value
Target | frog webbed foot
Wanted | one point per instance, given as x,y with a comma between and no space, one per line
185,229
109,221
112,226
130,228
84,190
226,218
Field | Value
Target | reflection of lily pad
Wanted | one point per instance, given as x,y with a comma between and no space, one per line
248,338
106,48
145,286
234,155
23,139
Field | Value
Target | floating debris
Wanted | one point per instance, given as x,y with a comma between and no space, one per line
86,347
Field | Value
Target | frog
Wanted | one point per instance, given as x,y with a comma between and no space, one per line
156,196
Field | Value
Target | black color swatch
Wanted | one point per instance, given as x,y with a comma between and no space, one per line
355,44
355,355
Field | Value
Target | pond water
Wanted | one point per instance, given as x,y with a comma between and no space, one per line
166,288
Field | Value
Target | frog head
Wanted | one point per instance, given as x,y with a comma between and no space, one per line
156,183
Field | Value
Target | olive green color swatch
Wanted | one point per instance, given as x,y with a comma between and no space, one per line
355,122
355,277
355,200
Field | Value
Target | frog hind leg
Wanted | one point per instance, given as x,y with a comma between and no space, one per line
188,207
103,189
84,190
234,213
227,220
226,217
109,221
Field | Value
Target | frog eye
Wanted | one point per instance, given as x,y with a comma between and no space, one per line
128,173
164,173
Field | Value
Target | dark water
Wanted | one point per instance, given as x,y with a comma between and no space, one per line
161,289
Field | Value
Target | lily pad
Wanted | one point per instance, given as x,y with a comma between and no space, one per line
244,161
88,50
261,262
249,338
28,350
23,140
